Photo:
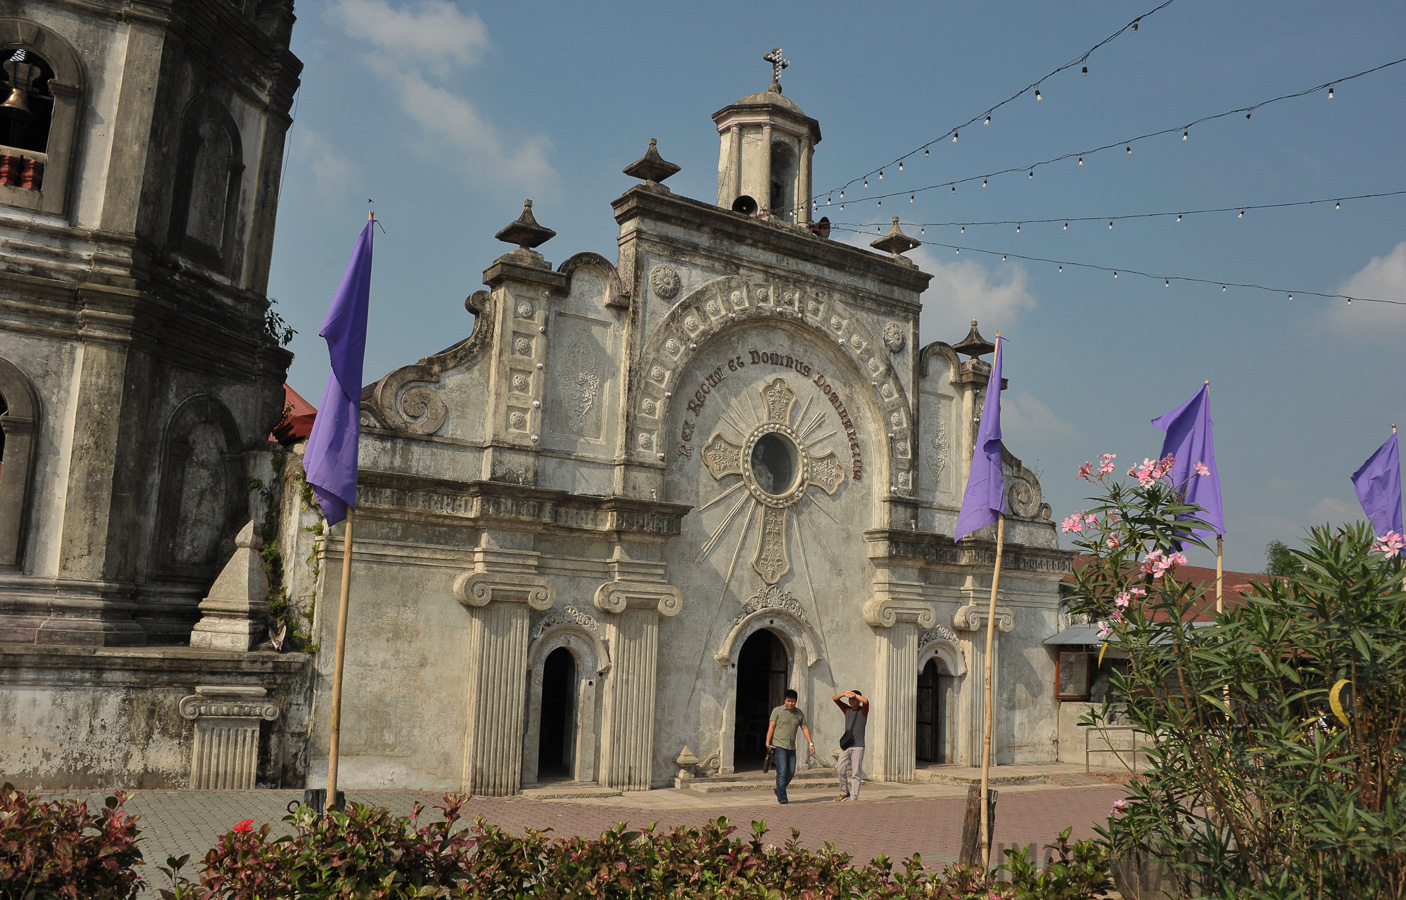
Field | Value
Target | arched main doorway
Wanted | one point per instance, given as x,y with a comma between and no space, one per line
930,742
763,668
556,739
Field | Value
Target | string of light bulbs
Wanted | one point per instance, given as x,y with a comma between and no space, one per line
1241,209
1164,278
1080,60
1125,142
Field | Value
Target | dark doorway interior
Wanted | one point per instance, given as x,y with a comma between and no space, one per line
929,736
762,671
557,733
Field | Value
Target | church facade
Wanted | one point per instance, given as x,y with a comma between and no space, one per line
597,538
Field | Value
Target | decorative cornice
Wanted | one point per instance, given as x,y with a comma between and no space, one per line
617,596
939,549
473,589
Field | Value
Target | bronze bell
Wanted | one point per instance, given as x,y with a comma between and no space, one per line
22,76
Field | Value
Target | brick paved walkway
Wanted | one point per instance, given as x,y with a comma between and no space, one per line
897,820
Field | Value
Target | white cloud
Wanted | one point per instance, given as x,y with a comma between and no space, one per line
1333,511
414,48
1384,278
333,171
1030,422
454,126
965,289
431,33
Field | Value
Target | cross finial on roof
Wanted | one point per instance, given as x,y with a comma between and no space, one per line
777,64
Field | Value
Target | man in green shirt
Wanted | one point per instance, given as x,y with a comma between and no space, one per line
781,741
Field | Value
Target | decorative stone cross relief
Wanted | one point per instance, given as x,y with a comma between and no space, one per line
776,468
777,64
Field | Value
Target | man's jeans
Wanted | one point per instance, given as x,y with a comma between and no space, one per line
785,762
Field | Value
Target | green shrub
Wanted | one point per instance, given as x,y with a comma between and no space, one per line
57,848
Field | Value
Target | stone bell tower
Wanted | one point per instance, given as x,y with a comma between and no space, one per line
764,153
141,147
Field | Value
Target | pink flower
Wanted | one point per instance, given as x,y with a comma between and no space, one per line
1114,541
1105,463
1085,470
1201,468
1390,544
1121,601
246,825
1104,630
1074,523
1158,564
1119,806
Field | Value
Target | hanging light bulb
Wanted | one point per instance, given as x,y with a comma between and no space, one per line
1330,92
1115,274
1178,217
1222,289
842,207
1247,117
1168,283
1110,224
1003,257
1185,133
1038,98
881,174
1135,21
1017,230
983,182
1066,226
1032,174
957,251
1338,205
910,198
954,189
1086,71
954,137
1291,298
988,119
900,165
964,229
1242,214
1349,301
1130,149
881,203
925,152
866,180
1061,268
842,195
923,230
1081,160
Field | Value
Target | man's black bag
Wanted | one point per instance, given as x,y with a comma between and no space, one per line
766,763
847,740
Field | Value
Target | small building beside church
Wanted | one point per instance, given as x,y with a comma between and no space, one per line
597,538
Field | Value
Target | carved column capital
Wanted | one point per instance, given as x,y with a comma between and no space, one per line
617,596
229,701
474,589
973,617
887,611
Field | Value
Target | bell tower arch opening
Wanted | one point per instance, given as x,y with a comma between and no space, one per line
763,669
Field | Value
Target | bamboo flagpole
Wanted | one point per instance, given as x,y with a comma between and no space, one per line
989,705
330,460
983,505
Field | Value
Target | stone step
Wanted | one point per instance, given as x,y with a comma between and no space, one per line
568,790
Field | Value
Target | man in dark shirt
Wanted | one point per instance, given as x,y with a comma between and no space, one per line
856,709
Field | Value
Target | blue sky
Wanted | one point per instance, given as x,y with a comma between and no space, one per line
449,114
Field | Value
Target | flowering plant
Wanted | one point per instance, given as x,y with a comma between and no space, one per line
1276,729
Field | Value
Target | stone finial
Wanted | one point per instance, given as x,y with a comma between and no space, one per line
896,242
233,614
974,345
525,232
651,167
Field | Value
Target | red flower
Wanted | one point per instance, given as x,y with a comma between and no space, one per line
246,825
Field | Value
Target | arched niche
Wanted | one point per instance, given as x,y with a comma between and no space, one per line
19,426
798,639
578,634
205,202
201,493
65,88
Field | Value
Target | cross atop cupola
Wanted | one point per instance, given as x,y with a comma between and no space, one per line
777,64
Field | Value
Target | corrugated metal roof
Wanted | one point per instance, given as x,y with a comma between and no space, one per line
1075,636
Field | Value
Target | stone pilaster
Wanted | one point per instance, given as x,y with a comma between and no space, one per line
627,718
225,753
970,620
897,613
500,607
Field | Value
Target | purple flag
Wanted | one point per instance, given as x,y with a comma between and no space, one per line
330,458
986,483
1378,485
1189,440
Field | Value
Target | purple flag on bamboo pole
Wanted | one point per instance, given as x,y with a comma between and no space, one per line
1378,485
330,459
986,484
1194,473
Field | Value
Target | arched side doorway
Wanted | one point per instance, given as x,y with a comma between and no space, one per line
940,663
763,673
561,729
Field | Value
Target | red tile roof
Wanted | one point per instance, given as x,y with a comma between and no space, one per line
1234,585
298,415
